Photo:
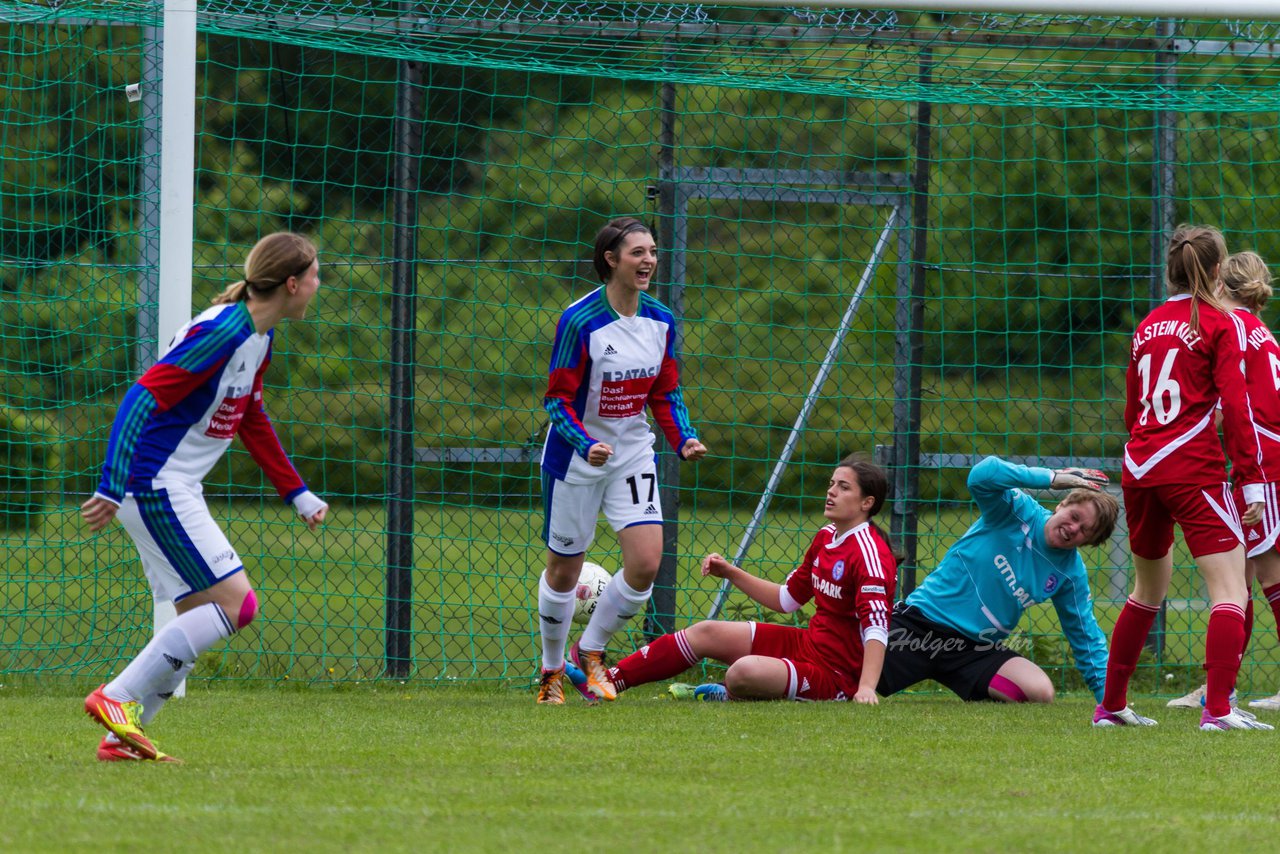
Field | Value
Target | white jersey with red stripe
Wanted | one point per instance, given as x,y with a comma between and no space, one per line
1177,375
851,579
178,419
605,369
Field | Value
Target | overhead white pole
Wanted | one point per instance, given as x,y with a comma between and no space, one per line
1239,9
177,168
177,195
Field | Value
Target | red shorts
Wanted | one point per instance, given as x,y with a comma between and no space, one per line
1206,514
807,677
1260,538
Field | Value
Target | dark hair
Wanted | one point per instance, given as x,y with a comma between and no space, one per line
874,483
271,262
1194,250
610,238
1108,511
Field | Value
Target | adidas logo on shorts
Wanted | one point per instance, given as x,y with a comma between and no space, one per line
1253,535
651,510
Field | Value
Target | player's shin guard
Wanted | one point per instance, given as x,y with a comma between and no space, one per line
555,616
615,607
669,655
164,662
1132,627
1222,645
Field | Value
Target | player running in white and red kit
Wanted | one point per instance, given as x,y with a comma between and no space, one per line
1186,357
849,572
614,355
173,425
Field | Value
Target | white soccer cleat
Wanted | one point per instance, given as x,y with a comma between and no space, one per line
1234,719
1194,700
1124,717
1266,704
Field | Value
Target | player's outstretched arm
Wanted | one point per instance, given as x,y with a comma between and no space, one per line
1078,479
765,592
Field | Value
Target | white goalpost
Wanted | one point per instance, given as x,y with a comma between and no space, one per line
177,198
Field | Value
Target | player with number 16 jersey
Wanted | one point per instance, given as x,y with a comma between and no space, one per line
1180,366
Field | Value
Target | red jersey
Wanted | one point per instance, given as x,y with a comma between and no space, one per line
1262,378
1176,377
851,579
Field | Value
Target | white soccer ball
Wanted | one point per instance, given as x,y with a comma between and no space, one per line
591,583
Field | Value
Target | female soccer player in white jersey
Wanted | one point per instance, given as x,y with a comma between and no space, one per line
614,354
848,571
174,424
1186,356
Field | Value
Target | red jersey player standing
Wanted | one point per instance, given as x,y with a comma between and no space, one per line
1187,356
1245,288
848,570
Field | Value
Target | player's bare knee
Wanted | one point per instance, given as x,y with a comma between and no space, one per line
1039,691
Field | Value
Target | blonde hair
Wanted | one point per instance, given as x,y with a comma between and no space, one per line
1246,278
271,262
1194,250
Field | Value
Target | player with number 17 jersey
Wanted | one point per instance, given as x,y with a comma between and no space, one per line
1178,372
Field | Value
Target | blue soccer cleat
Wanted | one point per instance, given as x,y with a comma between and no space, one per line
578,680
711,692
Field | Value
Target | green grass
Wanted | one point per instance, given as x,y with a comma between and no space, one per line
394,768
74,606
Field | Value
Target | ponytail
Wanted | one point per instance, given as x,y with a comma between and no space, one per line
273,261
1194,252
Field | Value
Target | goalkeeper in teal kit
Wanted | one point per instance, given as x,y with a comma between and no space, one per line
952,627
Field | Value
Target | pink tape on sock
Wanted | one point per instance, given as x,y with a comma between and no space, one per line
1007,687
248,610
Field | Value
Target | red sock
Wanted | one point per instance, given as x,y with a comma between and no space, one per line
669,655
1132,627
1222,644
1273,599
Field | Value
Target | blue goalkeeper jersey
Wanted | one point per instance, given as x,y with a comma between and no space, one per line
1002,566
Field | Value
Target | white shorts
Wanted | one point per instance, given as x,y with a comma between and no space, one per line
627,497
182,549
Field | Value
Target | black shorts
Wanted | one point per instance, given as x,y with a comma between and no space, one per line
921,649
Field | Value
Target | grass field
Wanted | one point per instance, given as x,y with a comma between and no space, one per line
74,606
389,768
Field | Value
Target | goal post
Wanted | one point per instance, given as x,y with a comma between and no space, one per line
453,161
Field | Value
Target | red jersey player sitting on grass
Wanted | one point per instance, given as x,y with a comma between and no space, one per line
849,571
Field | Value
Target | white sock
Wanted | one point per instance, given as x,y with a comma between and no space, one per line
164,662
555,617
616,606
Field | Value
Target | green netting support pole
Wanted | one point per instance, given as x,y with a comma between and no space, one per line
661,610
909,347
1164,164
400,454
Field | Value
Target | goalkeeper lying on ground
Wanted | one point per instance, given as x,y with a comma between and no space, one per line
952,627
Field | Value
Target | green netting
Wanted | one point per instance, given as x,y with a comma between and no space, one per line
537,123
